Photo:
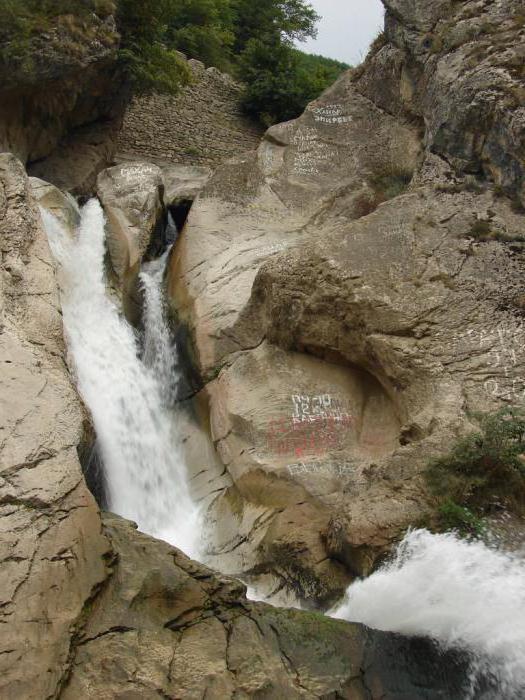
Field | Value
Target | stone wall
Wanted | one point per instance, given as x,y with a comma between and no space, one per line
203,125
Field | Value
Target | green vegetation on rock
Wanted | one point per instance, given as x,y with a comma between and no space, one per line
37,37
483,473
252,41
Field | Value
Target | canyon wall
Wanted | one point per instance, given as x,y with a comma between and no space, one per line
353,291
348,293
92,608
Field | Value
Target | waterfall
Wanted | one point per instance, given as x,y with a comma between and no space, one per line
130,399
159,353
463,594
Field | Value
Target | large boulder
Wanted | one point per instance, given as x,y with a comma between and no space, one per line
182,183
350,294
132,197
165,626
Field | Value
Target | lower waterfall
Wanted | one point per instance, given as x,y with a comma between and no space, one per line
130,399
462,594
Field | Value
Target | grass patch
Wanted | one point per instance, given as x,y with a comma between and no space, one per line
484,473
482,231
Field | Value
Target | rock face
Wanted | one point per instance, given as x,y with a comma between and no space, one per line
182,183
132,196
460,67
92,608
64,78
354,290
166,626
51,546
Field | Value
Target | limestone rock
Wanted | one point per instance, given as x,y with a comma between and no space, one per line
96,609
351,292
62,206
52,550
63,78
460,68
166,626
132,197
79,157
182,183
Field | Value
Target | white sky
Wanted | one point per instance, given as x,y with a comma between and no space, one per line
346,29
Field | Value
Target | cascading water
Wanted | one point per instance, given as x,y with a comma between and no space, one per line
131,400
159,351
462,594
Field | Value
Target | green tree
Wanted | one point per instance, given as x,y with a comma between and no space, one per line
145,54
270,20
281,81
203,29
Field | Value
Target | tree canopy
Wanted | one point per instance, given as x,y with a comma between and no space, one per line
253,40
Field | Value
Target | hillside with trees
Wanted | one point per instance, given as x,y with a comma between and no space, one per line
255,42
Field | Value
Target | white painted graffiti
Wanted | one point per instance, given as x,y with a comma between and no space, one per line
332,468
495,336
310,152
132,175
504,351
514,391
308,408
330,114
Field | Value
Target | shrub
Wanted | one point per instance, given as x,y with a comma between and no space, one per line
451,516
486,469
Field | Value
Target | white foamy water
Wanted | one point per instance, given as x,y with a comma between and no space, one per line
159,351
463,594
130,400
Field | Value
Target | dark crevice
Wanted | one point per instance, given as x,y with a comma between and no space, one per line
180,211
90,457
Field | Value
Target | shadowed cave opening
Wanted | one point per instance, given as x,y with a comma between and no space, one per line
179,212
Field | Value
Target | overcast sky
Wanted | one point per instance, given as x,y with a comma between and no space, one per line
346,29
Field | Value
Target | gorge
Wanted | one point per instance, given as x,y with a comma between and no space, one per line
255,356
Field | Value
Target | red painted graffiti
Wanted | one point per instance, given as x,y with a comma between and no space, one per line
320,434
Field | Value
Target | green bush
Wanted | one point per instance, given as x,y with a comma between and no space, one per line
486,469
451,516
